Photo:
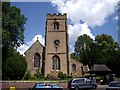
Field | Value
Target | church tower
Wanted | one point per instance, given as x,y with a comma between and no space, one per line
56,44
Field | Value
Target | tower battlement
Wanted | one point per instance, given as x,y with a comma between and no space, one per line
57,16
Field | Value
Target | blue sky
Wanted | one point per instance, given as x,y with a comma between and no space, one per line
36,16
96,19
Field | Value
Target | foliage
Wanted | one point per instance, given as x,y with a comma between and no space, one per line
33,77
110,52
101,51
49,76
12,25
27,75
83,42
74,56
15,67
88,57
114,62
106,42
62,75
38,74
12,37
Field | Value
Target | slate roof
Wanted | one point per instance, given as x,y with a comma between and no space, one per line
100,67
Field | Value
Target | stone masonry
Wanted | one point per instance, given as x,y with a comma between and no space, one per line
55,55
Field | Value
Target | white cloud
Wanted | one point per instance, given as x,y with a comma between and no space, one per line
91,12
76,30
94,12
27,45
115,18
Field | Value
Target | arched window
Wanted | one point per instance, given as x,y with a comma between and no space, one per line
55,63
37,60
56,24
73,67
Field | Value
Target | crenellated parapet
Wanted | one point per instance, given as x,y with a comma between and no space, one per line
57,16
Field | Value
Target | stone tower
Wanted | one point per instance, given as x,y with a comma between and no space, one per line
56,44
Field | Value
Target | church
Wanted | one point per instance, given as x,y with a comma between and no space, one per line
55,55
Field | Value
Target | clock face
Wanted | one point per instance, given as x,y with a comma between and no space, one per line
56,42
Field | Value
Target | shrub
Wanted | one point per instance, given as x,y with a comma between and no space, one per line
49,76
15,67
38,74
33,77
62,75
27,75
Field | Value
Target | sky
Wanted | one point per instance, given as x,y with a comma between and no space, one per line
91,17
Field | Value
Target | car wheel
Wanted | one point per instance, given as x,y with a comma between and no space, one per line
76,88
94,86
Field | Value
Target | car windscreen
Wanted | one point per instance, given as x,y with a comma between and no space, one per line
78,81
117,84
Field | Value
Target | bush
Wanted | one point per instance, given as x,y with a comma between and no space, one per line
49,76
15,67
27,75
33,77
62,75
38,74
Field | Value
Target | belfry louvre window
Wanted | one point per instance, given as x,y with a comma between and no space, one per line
56,24
37,60
55,63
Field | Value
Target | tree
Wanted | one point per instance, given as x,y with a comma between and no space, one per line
74,56
12,37
102,51
83,42
114,62
89,55
108,48
12,26
15,67
106,42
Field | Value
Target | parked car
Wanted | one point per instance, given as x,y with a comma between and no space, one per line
46,86
81,83
114,85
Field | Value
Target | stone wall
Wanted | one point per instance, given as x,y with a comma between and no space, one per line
26,85
30,53
78,72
